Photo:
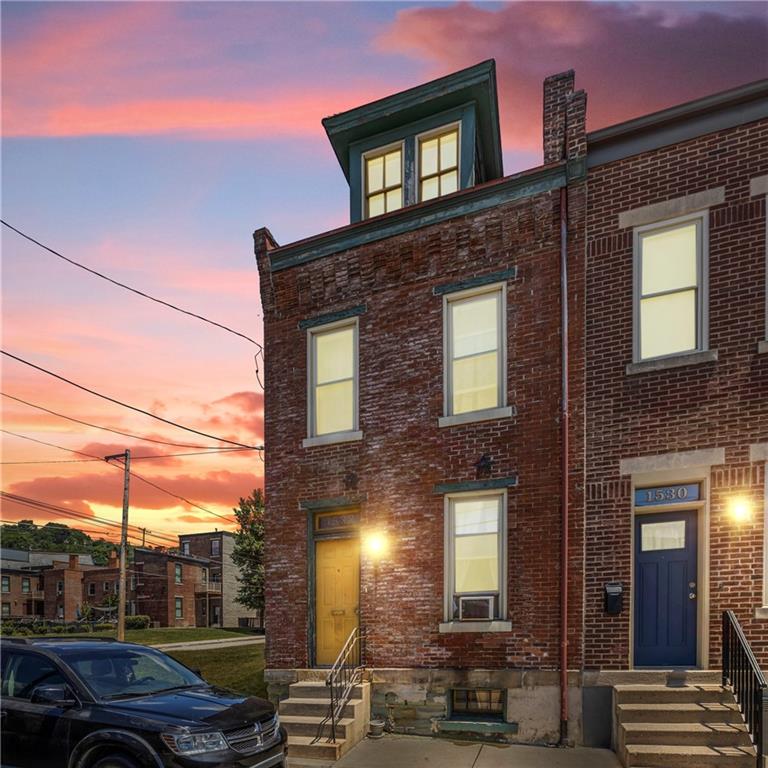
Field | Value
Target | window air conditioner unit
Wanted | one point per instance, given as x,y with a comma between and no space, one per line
476,608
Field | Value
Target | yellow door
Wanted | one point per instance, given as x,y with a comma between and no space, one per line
337,595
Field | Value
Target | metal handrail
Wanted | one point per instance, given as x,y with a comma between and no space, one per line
345,674
742,672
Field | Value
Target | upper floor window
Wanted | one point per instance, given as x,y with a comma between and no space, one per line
92,589
333,379
184,547
670,288
6,584
25,585
383,181
59,587
476,557
215,547
438,164
475,360
177,573
105,586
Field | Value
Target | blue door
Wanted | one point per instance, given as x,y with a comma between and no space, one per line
665,589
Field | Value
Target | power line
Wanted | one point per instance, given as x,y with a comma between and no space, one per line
107,429
90,456
129,288
126,405
133,458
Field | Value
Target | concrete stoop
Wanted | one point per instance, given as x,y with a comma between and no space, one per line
306,707
689,726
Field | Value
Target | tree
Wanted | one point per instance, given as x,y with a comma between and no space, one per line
248,554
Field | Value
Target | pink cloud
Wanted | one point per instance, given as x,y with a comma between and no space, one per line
630,59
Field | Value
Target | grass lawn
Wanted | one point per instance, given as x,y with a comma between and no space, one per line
240,668
163,635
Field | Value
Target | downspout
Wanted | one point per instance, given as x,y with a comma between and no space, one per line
564,466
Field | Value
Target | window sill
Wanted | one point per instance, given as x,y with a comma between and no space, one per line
447,627
673,361
332,439
469,418
761,613
762,347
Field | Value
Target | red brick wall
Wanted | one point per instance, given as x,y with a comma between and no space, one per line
156,588
720,404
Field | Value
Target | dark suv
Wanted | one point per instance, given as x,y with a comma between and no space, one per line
101,704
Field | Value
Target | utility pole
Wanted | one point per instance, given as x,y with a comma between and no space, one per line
126,457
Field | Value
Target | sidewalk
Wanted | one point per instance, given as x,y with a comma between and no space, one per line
394,751
206,645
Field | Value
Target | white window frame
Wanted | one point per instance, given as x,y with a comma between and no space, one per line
105,587
178,603
448,550
370,154
500,409
178,573
185,547
345,435
6,585
27,580
702,288
426,136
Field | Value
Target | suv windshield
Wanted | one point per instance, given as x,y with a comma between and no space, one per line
118,672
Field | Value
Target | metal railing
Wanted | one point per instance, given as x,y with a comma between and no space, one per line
345,674
743,674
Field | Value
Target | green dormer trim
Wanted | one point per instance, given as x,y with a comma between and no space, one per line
467,97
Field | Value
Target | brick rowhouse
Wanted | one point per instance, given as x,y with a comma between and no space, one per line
638,421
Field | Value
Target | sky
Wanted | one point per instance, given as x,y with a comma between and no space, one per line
148,140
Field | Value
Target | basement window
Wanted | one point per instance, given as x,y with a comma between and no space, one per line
477,703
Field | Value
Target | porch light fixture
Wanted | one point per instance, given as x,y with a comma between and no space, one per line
740,509
375,545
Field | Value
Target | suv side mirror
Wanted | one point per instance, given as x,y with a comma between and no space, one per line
54,696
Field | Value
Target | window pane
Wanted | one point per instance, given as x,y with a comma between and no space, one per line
474,323
376,205
428,164
375,166
449,182
334,404
669,259
430,189
668,324
395,199
334,351
392,173
668,535
476,516
448,146
475,383
477,563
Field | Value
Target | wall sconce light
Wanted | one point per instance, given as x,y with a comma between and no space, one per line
740,509
375,545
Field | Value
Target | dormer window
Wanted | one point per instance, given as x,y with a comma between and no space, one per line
439,164
383,181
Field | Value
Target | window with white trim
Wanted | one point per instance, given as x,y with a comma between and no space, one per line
476,557
179,607
333,379
438,164
177,573
26,587
475,359
670,288
383,181
6,583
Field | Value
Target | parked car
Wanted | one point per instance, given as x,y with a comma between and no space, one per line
75,703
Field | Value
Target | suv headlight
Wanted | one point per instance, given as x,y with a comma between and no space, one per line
195,743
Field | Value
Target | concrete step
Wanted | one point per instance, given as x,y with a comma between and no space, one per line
706,712
667,756
685,734
306,689
302,746
303,725
314,707
662,694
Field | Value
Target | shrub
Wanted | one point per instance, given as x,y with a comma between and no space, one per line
137,622
104,625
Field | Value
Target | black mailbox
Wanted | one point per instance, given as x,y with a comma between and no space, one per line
614,598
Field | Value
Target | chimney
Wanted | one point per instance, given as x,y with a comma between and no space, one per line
112,560
557,89
74,562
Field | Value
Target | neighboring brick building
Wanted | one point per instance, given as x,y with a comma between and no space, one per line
416,414
22,593
677,379
217,599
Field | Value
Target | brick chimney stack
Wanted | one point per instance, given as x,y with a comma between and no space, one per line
112,559
74,562
564,123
